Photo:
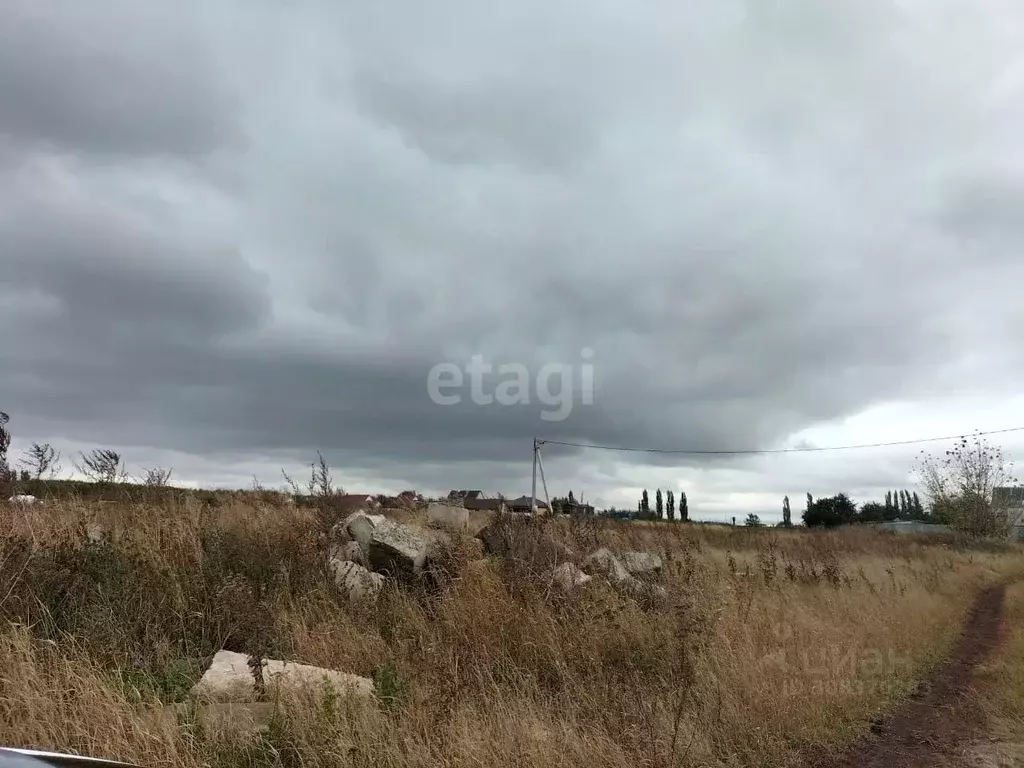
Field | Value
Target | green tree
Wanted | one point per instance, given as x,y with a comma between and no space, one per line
753,521
659,505
890,510
919,513
787,517
684,509
645,504
670,505
831,512
872,512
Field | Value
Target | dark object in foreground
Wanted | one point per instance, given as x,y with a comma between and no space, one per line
31,758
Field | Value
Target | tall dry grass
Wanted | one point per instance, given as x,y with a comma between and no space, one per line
770,642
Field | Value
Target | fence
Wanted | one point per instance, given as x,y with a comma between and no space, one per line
914,526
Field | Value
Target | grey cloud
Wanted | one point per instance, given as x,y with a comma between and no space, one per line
121,276
987,206
110,78
528,124
747,248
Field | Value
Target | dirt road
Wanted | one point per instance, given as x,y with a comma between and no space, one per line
939,720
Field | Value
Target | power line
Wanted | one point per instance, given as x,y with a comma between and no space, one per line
754,451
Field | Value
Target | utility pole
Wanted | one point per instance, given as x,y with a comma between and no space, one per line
533,487
543,479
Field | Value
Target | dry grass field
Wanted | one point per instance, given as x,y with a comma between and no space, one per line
771,644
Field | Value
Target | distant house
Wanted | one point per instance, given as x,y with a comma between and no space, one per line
576,508
1009,498
476,500
461,496
404,500
1012,499
353,500
522,504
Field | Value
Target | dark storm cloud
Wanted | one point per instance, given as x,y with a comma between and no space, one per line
124,282
110,78
737,210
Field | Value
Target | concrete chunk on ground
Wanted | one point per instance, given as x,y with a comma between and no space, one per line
340,533
356,581
348,551
390,547
94,533
229,679
641,563
604,563
567,576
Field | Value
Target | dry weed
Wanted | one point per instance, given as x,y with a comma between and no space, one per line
769,641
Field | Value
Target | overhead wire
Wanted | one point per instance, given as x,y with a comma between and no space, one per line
762,451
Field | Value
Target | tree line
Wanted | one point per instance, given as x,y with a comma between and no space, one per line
840,509
666,506
971,488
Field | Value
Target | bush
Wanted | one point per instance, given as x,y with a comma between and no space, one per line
830,512
961,488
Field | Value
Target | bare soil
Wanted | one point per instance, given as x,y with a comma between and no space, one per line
938,722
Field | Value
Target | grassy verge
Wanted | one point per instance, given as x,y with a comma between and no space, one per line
999,686
769,642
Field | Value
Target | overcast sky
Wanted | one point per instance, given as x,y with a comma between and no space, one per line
234,233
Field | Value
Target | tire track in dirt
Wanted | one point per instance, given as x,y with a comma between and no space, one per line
939,718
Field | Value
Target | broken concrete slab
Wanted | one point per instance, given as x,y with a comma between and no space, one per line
230,679
390,547
641,563
356,581
568,576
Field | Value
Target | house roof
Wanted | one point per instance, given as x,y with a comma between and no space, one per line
469,495
483,504
524,501
575,503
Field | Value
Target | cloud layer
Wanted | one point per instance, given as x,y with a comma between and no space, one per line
245,232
